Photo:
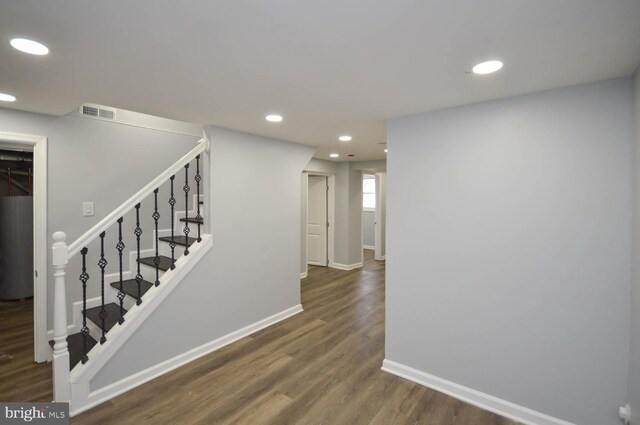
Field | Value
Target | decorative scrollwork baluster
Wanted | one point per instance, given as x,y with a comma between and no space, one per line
197,179
186,189
84,277
172,202
138,232
156,216
120,247
102,263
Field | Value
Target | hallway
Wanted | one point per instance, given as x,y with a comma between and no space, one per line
319,367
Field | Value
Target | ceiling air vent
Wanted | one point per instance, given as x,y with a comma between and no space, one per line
97,111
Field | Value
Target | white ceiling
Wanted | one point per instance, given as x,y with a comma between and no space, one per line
330,67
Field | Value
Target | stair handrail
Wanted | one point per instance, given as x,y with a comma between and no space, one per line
61,253
129,204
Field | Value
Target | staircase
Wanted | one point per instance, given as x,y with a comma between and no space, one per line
133,293
128,295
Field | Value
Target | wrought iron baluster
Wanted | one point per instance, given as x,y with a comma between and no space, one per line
84,277
186,189
138,232
120,246
172,202
197,179
102,263
156,216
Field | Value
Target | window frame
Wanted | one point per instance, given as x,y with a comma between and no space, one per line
368,177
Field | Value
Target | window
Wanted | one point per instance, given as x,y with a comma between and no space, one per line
368,193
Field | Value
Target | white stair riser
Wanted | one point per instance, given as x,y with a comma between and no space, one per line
179,225
127,302
94,330
149,273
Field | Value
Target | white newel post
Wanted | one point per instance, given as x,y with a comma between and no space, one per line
60,258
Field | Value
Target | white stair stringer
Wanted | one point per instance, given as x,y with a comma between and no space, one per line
81,375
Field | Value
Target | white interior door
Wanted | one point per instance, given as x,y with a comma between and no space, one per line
317,221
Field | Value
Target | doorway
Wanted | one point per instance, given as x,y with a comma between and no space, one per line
18,181
317,221
374,213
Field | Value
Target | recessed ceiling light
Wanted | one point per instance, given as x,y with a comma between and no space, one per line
385,151
273,118
334,155
7,97
29,46
487,67
344,138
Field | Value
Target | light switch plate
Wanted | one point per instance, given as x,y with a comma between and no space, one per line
87,209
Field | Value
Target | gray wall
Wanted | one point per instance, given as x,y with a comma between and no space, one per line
516,281
378,165
99,161
348,215
320,166
252,271
634,369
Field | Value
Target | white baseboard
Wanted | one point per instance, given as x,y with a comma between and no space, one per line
113,390
488,402
369,247
347,267
304,275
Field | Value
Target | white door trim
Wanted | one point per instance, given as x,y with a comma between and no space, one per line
323,224
377,239
41,349
331,213
379,219
304,183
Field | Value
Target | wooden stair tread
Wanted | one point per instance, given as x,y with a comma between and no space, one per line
191,220
130,287
112,317
179,240
75,346
164,265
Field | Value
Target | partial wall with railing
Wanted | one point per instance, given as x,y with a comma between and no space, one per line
127,292
248,280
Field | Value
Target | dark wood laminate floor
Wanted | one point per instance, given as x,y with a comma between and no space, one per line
20,378
319,367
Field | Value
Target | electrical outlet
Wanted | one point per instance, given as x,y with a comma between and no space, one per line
87,209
